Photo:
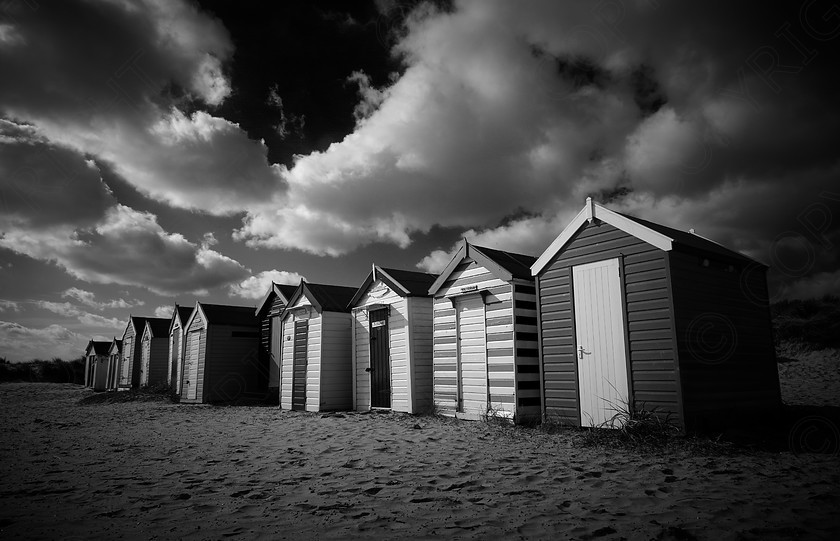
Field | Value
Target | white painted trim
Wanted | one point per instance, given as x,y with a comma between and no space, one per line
604,214
353,322
409,357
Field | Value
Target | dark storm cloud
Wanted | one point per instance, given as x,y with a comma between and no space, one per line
125,82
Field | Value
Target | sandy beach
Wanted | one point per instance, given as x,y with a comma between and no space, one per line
158,470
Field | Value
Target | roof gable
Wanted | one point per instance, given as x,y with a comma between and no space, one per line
505,266
99,347
404,283
284,291
323,297
115,347
657,235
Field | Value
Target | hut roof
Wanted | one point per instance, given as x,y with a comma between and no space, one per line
159,326
661,236
284,291
223,314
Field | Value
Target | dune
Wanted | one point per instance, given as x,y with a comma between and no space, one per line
158,470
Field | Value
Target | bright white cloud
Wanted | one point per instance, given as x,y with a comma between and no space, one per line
20,343
164,311
9,306
254,287
86,318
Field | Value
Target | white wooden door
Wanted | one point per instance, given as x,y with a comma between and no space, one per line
472,357
601,349
190,387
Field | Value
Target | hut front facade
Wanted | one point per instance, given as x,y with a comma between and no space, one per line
269,311
96,364
114,356
485,336
180,316
392,341
636,314
154,352
129,373
220,357
316,359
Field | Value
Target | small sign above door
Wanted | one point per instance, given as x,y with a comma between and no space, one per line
375,324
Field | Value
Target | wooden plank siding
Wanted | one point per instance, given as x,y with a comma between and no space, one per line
654,381
193,375
129,354
335,383
727,358
269,347
231,363
286,361
510,342
176,355
420,341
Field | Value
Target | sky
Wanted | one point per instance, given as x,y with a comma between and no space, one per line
163,151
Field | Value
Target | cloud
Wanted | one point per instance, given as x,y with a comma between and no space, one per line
254,287
135,107
128,247
10,306
86,318
164,311
20,343
88,298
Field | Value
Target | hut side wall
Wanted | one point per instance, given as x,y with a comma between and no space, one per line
231,364
158,360
650,327
420,310
145,350
313,364
335,385
724,334
361,329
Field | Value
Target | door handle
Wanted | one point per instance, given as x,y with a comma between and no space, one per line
581,352
368,369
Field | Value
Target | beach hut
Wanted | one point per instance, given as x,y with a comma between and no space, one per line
154,352
315,362
180,316
636,314
96,364
486,361
392,341
114,356
129,372
220,355
269,311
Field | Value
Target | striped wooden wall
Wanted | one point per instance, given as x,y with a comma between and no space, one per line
145,356
511,345
653,374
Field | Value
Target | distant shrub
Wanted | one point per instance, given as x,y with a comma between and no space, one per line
41,371
815,323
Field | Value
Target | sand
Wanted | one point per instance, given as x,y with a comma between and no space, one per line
157,470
